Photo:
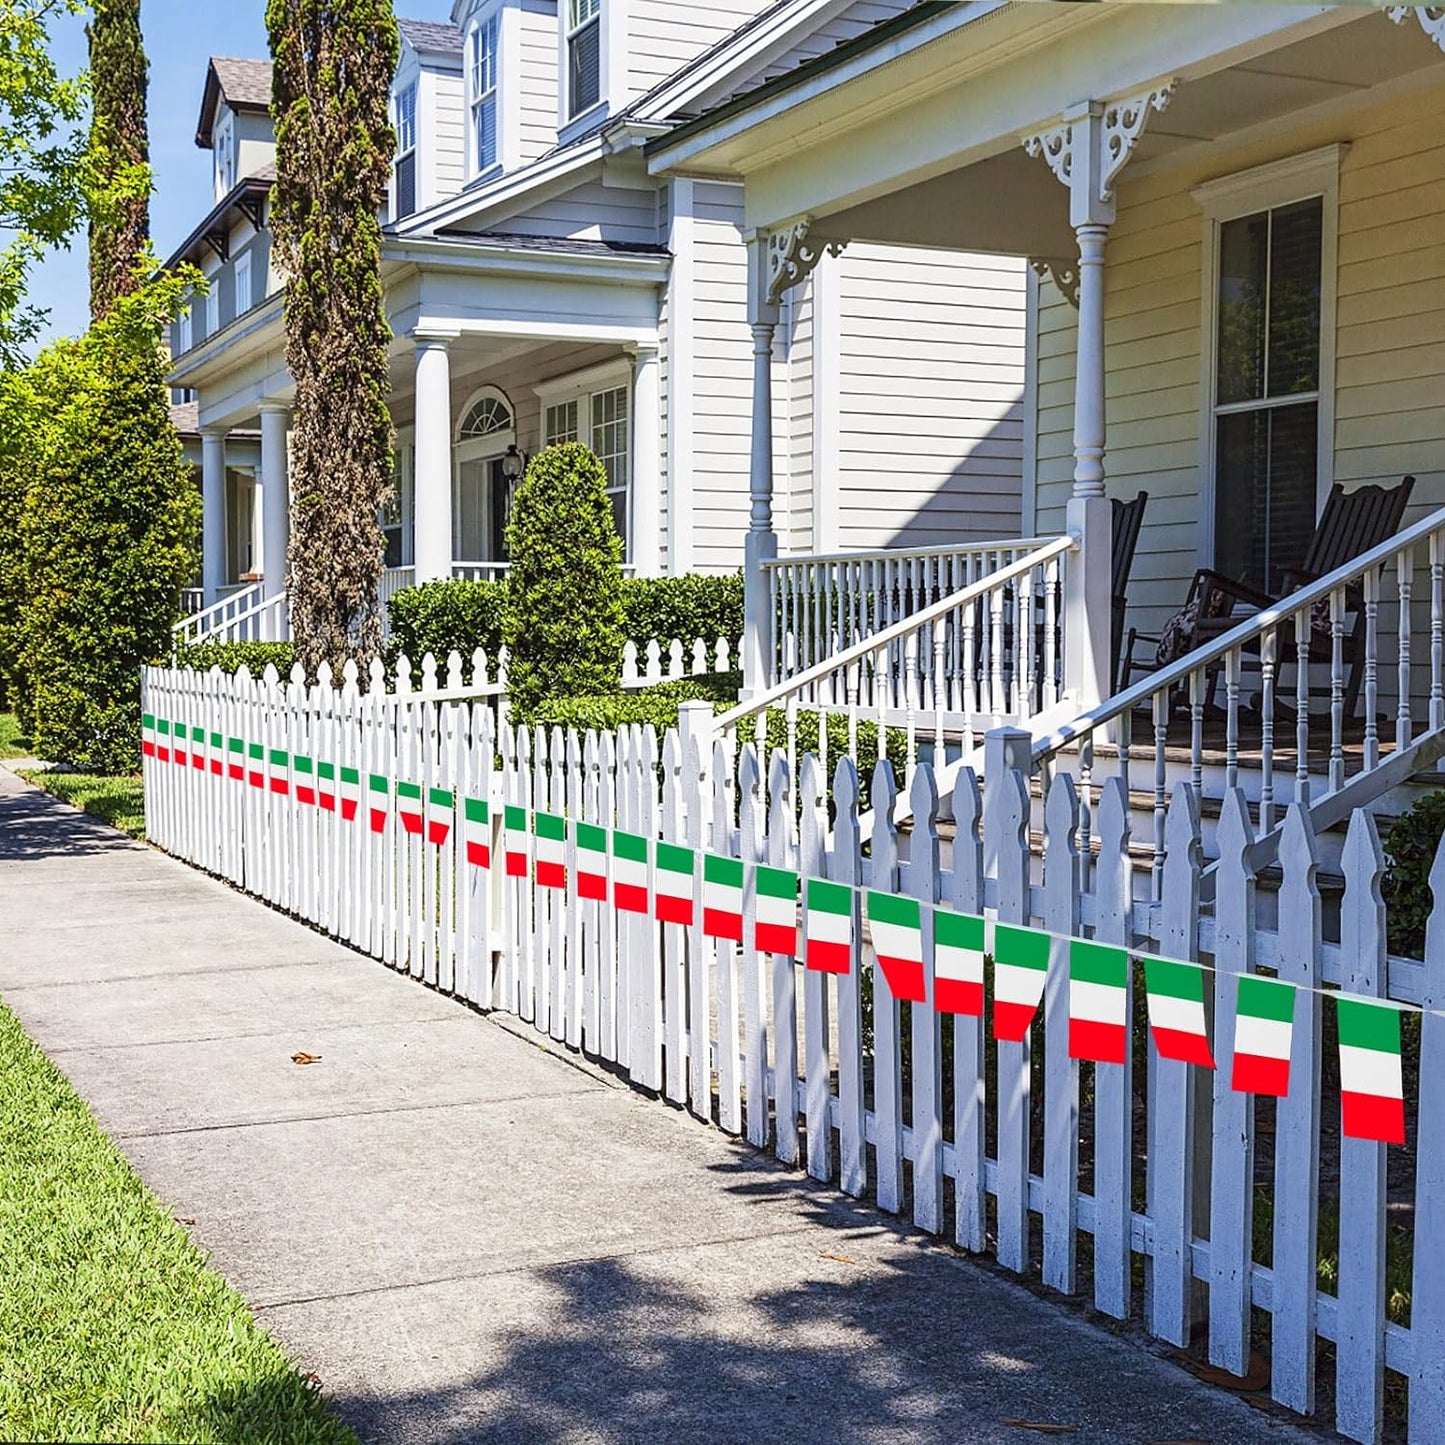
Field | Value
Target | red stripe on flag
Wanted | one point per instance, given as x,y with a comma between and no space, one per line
905,977
629,898
216,768
1368,1116
1183,1047
258,780
479,855
348,810
777,938
1256,1074
1011,1021
826,956
1097,1042
516,865
674,910
279,785
592,887
551,875
436,833
412,823
198,762
179,758
305,795
163,753
378,820
148,750
958,996
719,923
238,773
328,802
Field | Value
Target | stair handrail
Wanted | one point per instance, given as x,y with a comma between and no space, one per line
897,631
1249,628
947,549
191,627
277,602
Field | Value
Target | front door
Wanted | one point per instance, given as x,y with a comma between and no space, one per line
481,512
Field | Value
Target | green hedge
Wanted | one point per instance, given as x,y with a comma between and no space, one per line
683,607
1410,848
231,656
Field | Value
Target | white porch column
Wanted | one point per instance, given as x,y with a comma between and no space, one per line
646,489
275,498
213,514
761,542
432,483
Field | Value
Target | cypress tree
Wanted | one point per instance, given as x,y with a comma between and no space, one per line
334,62
120,152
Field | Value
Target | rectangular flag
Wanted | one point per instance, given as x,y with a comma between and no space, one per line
280,783
163,740
350,793
178,743
829,924
408,804
218,755
1020,968
477,817
198,748
551,834
957,963
776,930
1372,1086
896,927
1098,1002
236,759
514,840
326,786
440,809
1263,1034
722,897
305,780
591,862
256,765
1175,992
148,734
378,800
629,872
672,883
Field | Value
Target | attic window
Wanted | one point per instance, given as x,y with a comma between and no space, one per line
405,152
224,142
584,55
483,83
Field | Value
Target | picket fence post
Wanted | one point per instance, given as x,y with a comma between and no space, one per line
729,1079
755,1016
847,868
927,1101
817,1068
782,853
967,885
887,1073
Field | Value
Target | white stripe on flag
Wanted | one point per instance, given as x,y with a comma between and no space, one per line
1181,1015
829,927
1096,1002
895,941
719,898
780,912
629,871
1370,1071
1262,1038
1012,984
964,965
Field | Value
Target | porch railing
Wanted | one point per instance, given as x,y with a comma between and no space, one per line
213,623
1246,697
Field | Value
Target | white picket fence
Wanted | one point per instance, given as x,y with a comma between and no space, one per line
762,1047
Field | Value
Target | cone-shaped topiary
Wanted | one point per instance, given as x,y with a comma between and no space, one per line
562,623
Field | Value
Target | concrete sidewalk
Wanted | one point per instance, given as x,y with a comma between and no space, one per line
468,1237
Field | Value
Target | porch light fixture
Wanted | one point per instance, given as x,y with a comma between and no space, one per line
514,463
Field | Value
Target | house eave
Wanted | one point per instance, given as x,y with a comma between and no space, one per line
498,257
191,369
250,187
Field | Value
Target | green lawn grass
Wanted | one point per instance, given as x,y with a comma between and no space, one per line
13,743
113,1326
117,801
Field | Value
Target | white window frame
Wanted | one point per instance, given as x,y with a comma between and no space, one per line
411,89
223,140
404,494
1266,188
488,18
243,269
611,20
213,306
183,330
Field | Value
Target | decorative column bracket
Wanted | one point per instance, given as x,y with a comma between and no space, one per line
792,258
1064,275
1431,18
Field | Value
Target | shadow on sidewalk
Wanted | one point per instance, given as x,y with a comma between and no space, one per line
34,826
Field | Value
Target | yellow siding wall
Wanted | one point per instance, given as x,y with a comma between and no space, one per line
1390,338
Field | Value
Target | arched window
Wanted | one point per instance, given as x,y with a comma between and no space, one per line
489,414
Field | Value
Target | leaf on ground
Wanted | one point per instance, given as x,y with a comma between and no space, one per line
182,1219
841,1258
1250,1383
1042,1427
305,1058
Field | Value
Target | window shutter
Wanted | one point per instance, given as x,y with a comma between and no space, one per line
406,185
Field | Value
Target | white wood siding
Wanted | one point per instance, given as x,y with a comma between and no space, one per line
538,79
448,139
1390,338
590,211
664,35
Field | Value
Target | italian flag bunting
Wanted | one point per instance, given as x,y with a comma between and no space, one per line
776,929
896,926
1263,1033
178,743
198,747
829,924
477,819
957,963
1372,1089
440,809
256,765
279,782
514,840
378,800
1020,967
408,804
551,834
148,734
163,740
218,749
305,780
236,759
326,786
1175,993
672,883
350,793
591,862
1098,1002
722,897
629,872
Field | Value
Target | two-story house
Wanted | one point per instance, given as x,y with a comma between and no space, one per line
543,286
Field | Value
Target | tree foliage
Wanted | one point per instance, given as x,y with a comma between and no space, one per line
334,62
563,619
107,529
119,152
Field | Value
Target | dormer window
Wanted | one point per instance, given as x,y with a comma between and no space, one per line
482,82
584,55
225,145
405,173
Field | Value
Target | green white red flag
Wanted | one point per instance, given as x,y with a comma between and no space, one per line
672,878
198,748
256,765
277,772
514,840
1263,1035
591,862
776,927
305,780
896,927
1020,969
326,785
829,926
1098,1002
722,897
440,810
218,755
1372,1086
408,804
1175,992
958,951
163,740
629,872
477,817
378,799
236,759
350,793
178,743
550,832
148,734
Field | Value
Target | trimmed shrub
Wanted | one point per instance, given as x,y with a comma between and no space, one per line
442,617
231,656
1410,851
563,620
683,607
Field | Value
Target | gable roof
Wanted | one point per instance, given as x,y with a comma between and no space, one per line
431,35
244,85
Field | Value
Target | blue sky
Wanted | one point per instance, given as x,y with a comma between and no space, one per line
180,36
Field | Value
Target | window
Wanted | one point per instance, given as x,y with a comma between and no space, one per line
561,424
405,172
488,417
604,420
584,55
213,307
483,88
243,284
224,141
396,510
183,332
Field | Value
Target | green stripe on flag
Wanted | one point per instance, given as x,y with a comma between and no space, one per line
198,734
278,757
673,859
258,753
1098,963
351,775
148,720
217,741
776,882
957,930
825,897
236,745
440,797
514,818
303,763
1266,998
163,726
1368,1025
1168,979
630,847
410,791
547,825
326,771
591,838
477,811
1021,947
377,783
725,872
889,908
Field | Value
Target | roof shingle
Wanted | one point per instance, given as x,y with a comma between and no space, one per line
431,35
244,82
